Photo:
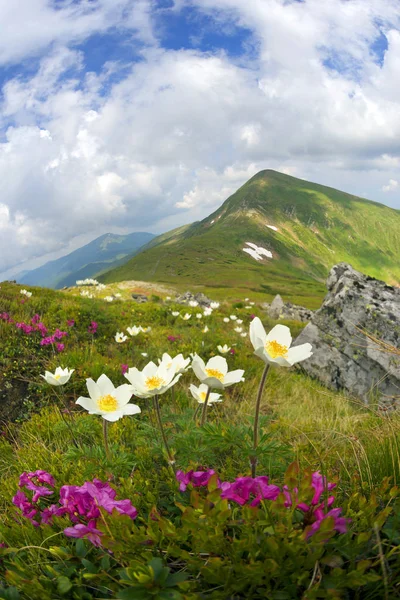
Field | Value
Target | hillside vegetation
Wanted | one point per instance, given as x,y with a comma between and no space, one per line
317,227
158,540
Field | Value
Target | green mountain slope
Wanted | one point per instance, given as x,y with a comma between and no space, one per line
317,227
99,255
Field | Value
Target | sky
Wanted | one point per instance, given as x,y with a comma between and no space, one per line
143,115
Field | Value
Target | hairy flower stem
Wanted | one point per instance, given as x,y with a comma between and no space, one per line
196,412
253,459
105,437
204,413
164,437
68,425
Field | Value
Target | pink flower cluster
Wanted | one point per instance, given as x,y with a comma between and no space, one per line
80,503
246,490
92,329
57,335
36,325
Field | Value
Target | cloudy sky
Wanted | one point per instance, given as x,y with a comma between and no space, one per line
132,115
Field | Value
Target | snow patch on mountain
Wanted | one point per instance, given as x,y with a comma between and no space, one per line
257,252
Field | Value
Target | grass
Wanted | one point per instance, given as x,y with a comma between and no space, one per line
357,446
318,228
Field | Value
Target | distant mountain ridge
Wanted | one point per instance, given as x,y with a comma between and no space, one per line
92,259
304,226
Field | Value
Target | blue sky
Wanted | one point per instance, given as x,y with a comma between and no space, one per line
123,115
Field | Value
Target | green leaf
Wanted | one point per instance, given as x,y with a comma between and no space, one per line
63,585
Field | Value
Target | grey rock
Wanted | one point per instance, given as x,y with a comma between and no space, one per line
140,298
278,309
356,308
199,297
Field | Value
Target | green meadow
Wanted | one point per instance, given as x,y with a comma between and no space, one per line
193,543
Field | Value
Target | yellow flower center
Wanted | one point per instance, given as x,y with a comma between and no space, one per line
107,403
203,396
153,383
276,349
57,377
215,373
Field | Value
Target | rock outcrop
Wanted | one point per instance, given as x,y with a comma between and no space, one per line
356,311
187,297
278,309
140,298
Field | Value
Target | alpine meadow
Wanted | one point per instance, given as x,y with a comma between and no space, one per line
200,300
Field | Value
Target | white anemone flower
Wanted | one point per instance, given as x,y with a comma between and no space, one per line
233,317
207,311
108,401
223,349
145,329
175,313
244,334
274,347
226,319
120,337
152,381
193,303
239,321
215,373
118,295
59,377
199,316
134,330
200,394
238,329
214,305
178,363
108,299
168,298
246,299
205,330
248,307
144,353
186,317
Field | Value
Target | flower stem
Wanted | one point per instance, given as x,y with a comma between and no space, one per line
105,437
196,412
164,437
253,459
64,419
204,413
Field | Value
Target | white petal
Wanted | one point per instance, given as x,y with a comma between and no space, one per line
198,367
299,353
105,385
261,353
88,404
257,333
123,394
213,382
93,389
233,377
280,334
113,416
218,363
131,409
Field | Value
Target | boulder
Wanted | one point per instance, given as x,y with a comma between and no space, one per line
356,311
140,298
278,309
199,297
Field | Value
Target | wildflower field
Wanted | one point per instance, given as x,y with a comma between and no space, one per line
160,451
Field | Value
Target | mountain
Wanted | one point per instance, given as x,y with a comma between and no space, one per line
300,228
88,261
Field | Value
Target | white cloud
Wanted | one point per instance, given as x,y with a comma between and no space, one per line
162,141
391,186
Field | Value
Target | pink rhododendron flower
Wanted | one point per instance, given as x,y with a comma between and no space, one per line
124,369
